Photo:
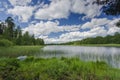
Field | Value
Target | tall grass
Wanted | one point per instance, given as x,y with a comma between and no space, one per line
15,51
99,45
57,69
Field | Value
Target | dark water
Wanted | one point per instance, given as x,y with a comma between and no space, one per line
111,55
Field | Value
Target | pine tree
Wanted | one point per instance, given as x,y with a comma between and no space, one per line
10,28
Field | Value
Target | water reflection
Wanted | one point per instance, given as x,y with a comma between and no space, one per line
110,55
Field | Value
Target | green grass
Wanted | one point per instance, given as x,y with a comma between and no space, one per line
52,69
56,69
15,51
105,45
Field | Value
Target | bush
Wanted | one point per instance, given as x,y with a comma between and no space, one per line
5,43
9,69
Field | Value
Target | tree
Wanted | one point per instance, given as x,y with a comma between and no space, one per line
39,42
26,39
14,34
10,28
2,26
1,30
118,24
112,7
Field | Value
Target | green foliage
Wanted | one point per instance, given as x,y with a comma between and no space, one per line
5,43
118,24
8,69
14,34
56,69
10,28
15,51
112,7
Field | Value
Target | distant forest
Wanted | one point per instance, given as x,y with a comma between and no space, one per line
10,34
115,39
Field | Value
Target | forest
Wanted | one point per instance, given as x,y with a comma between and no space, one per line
115,39
11,34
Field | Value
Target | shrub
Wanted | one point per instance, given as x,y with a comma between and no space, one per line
9,69
5,43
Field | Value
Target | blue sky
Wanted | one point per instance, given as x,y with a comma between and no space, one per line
58,21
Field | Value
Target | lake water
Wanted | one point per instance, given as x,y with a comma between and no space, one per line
111,55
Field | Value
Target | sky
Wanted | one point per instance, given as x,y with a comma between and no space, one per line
59,21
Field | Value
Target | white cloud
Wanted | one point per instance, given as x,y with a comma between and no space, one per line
95,23
22,12
42,28
61,9
113,22
98,30
72,36
85,7
45,28
56,10
19,2
73,33
113,30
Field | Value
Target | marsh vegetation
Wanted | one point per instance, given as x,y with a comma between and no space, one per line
55,69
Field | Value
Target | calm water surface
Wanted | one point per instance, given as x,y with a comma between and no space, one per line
111,55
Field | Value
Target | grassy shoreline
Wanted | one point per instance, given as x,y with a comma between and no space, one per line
14,51
98,45
56,69
53,68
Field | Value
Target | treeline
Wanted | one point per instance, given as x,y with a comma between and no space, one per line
115,39
9,32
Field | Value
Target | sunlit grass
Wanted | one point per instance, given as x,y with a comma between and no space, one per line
18,50
101,45
60,69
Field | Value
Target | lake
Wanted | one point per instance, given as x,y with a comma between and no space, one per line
110,55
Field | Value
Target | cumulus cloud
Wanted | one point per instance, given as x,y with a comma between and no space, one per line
19,2
72,32
72,36
22,12
95,23
61,9
45,28
94,31
56,10
85,7
113,30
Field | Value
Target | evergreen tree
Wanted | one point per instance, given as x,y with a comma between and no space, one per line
112,7
1,30
118,24
10,28
2,26
14,34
